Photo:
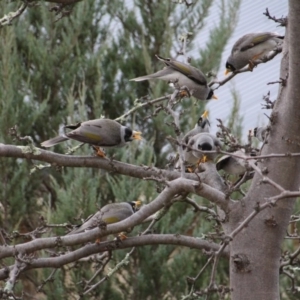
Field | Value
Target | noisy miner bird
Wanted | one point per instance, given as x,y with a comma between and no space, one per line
98,132
183,75
109,214
251,47
233,165
260,133
202,125
204,142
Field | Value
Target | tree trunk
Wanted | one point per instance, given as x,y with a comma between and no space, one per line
255,251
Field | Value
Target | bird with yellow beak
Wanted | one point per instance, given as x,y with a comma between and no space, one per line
99,132
109,214
184,75
250,47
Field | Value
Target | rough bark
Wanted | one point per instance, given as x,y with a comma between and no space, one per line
255,252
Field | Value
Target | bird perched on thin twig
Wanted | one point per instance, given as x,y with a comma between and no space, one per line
109,214
98,132
202,125
183,75
250,47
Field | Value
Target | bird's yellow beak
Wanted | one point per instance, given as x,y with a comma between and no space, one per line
215,97
136,135
205,114
138,203
227,71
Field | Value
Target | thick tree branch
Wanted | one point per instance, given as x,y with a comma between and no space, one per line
174,188
209,177
153,239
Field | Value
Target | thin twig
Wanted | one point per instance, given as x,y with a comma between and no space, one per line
139,105
7,19
282,21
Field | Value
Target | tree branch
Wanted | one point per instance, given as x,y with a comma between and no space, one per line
7,19
153,239
211,182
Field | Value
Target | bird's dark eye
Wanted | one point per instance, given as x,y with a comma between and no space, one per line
200,121
210,94
128,135
230,67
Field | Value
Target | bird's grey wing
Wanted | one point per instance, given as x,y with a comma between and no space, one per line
222,162
97,133
189,71
255,39
89,223
115,212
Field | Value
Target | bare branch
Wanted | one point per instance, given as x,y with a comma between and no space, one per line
138,105
209,177
7,19
149,239
282,21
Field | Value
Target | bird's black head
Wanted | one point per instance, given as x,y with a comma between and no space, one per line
128,135
205,147
210,95
202,122
230,67
135,205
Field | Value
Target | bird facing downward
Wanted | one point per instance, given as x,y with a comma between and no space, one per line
204,142
98,132
110,213
202,125
251,47
183,75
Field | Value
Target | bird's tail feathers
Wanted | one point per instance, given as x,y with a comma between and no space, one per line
146,77
54,141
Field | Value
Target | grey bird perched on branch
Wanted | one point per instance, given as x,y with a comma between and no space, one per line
233,165
204,142
202,125
260,133
98,132
251,47
184,75
109,214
